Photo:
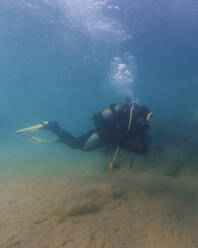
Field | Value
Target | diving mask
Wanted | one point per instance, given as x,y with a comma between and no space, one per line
149,116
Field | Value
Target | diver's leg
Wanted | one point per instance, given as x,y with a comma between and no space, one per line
84,142
92,141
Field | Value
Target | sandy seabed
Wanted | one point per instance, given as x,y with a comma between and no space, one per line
101,209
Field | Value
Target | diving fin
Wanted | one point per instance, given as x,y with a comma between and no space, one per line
32,128
38,140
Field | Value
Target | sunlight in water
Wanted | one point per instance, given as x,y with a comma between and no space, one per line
88,15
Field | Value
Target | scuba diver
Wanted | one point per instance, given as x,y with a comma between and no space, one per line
123,126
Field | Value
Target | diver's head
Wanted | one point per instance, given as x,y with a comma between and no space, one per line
143,116
149,117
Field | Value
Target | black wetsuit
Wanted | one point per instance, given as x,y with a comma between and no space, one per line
112,131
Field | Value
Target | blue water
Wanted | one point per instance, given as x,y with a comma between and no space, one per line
64,60
60,61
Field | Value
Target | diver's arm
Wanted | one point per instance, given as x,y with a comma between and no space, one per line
137,147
